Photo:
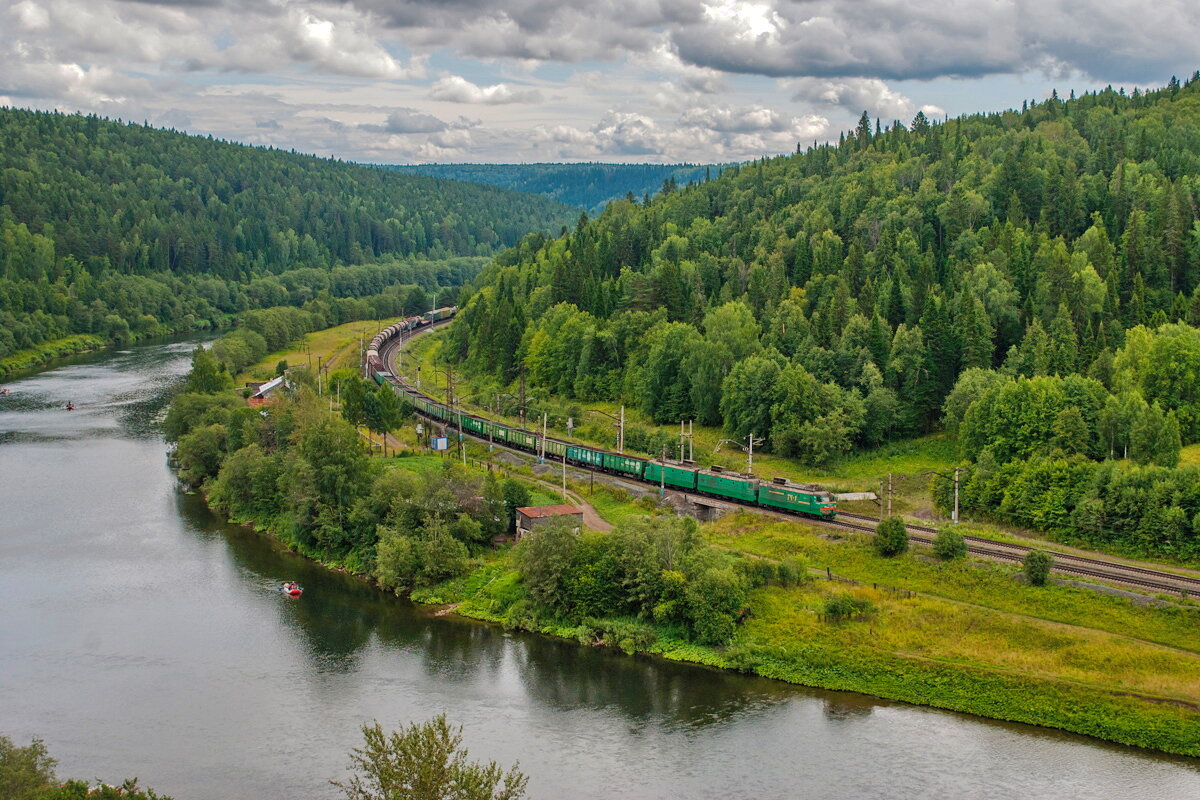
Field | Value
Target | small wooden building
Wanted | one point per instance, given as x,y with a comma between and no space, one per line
265,392
530,517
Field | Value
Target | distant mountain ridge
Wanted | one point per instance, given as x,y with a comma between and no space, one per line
586,185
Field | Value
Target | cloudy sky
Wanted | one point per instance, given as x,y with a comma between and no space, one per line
401,81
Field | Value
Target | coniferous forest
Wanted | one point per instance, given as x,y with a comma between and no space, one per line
122,231
1028,280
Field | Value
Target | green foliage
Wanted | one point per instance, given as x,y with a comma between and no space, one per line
1037,566
198,454
207,376
843,606
891,537
650,569
949,544
715,600
425,761
281,367
189,411
25,772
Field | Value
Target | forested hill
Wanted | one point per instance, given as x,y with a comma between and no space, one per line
588,186
117,229
1029,275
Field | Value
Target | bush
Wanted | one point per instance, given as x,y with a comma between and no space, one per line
949,544
1037,567
791,572
844,606
891,537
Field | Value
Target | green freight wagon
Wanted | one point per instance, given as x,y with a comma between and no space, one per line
735,487
473,425
584,455
523,439
555,448
812,500
622,464
382,376
677,476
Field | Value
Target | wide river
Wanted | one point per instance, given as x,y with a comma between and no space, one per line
139,635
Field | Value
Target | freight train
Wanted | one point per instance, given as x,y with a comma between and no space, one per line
780,494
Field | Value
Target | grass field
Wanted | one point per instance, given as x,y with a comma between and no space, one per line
336,347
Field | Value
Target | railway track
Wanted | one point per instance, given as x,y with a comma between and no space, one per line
1069,563
1064,563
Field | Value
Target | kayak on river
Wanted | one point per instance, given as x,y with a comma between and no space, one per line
291,588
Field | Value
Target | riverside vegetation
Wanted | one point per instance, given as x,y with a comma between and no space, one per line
739,594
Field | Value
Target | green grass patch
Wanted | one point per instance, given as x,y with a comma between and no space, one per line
47,351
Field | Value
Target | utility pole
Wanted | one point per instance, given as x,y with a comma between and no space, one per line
889,494
545,419
621,431
318,374
564,477
955,517
662,489
881,501
750,457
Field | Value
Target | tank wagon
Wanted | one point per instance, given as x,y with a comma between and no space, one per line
779,493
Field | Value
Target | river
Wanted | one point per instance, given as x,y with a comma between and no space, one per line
141,636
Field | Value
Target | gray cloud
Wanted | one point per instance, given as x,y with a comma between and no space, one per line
665,79
409,120
455,89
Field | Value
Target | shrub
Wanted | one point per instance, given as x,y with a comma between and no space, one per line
891,537
844,606
791,572
949,544
1037,567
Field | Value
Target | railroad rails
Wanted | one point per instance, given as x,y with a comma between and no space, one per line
379,360
1067,563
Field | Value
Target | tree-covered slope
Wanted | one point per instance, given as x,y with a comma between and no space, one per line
588,186
109,228
835,299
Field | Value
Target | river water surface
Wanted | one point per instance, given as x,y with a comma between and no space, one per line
139,635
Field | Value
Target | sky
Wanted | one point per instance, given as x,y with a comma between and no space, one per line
700,81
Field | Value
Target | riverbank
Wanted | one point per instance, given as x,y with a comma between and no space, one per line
965,637
926,647
44,353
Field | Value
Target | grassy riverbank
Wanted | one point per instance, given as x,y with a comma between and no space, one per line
969,637
47,351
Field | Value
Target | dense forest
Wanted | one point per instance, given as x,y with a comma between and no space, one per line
588,186
1028,279
123,230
